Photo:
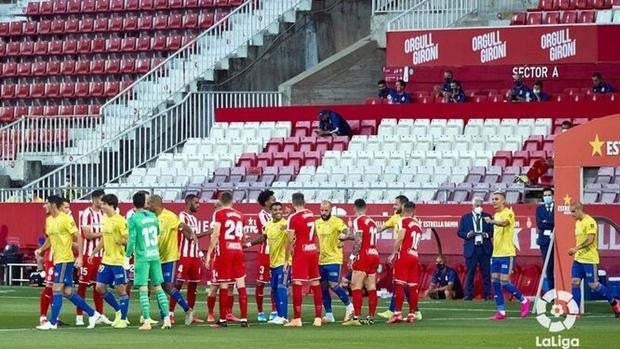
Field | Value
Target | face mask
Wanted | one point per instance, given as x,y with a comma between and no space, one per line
440,265
478,210
536,91
548,200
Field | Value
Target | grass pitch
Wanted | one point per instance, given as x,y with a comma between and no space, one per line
446,324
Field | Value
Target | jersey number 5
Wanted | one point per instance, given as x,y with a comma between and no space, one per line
233,230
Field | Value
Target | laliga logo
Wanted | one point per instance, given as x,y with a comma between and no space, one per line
557,310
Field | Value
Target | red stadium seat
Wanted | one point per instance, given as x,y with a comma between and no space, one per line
296,159
291,144
565,4
46,8
143,66
174,42
190,20
547,5
112,66
67,89
235,2
69,47
533,143
206,3
87,25
72,26
30,28
552,18
125,84
22,90
502,158
143,43
3,48
32,8
280,159
247,160
159,43
113,45
601,4
368,127
94,109
55,47
26,48
128,44
130,23
146,4
145,22
102,5
7,114
88,6
81,109
52,90
127,66
4,28
8,91
101,25
569,17
53,68
59,6
534,18
96,89
99,45
117,5
36,110
12,49
583,4
340,143
205,20
175,4
160,4
81,89
24,69
190,4
221,3
98,67
66,110
9,69
112,88
48,110
275,145
175,21
40,48
16,28
58,26
264,159
586,17
115,24
160,22
44,27
67,68
132,5
312,158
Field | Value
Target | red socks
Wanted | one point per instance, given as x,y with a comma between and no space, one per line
399,297
191,294
98,300
413,298
372,302
243,302
210,304
231,301
45,300
317,294
358,298
81,291
224,297
297,298
260,288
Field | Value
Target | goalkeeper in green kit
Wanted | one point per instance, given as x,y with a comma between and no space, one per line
142,244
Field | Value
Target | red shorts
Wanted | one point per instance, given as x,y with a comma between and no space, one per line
229,266
367,263
407,268
189,269
305,266
48,268
263,265
88,272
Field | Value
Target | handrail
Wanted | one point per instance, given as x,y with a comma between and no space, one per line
197,57
433,14
392,6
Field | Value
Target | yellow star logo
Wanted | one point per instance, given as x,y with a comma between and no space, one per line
597,146
567,199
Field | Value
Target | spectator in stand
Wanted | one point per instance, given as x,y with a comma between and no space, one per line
445,89
333,124
566,125
400,96
445,283
545,224
599,86
519,91
456,94
537,94
384,90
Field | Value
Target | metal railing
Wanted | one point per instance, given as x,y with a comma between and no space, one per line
392,6
228,37
433,14
513,5
140,143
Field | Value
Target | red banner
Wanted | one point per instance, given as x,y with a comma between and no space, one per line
557,44
444,218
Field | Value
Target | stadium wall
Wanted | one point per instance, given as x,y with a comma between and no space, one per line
444,218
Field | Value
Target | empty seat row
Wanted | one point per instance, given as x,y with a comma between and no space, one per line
112,24
414,158
63,90
281,159
8,114
564,17
79,67
259,130
519,158
407,144
358,127
305,144
99,45
100,6
554,5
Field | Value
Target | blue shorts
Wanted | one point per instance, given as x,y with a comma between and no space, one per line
63,273
277,277
502,265
112,275
330,272
584,271
168,270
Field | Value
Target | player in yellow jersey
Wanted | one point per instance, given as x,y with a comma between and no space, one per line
61,230
331,231
392,223
586,257
169,228
503,256
112,271
276,235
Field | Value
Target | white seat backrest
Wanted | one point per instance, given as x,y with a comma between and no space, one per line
386,129
307,170
604,16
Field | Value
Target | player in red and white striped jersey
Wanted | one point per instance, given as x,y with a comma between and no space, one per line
190,264
266,198
91,221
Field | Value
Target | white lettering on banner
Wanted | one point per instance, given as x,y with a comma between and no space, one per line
532,72
613,147
422,48
559,44
490,45
608,230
